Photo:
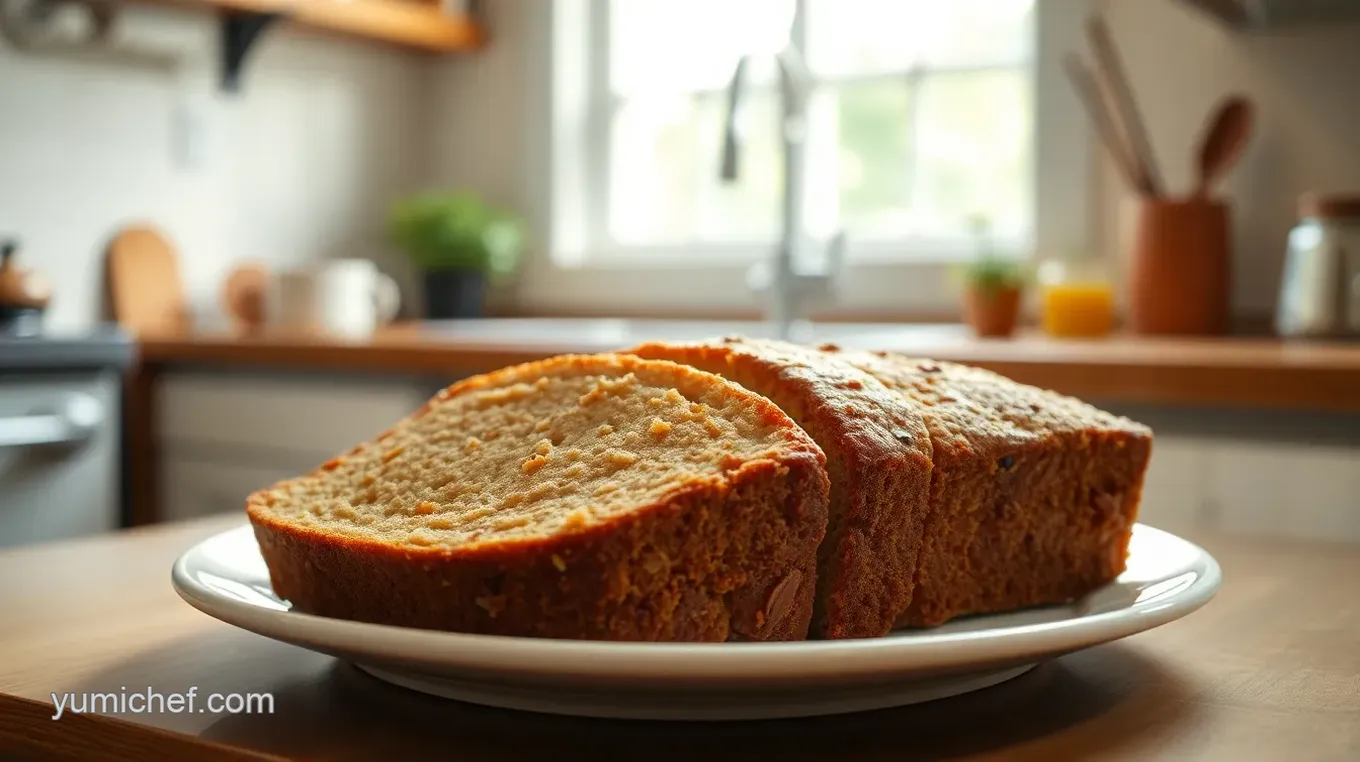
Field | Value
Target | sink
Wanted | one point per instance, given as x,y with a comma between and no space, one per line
616,333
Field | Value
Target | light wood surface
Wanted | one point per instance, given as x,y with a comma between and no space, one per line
417,25
1268,670
1263,373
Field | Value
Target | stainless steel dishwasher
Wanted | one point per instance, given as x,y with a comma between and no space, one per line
60,436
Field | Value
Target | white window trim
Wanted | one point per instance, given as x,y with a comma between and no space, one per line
559,277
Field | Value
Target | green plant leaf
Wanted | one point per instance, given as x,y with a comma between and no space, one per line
987,271
456,231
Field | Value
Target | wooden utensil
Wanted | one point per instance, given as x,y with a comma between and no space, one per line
1098,111
1115,82
145,290
1223,142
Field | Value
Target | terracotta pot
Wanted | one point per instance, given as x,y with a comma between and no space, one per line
20,286
1180,267
992,311
243,295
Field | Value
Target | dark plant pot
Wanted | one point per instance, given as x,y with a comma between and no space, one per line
451,294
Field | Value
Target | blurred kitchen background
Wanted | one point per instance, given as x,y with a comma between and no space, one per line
242,235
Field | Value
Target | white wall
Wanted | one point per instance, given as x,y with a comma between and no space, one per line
302,164
1308,122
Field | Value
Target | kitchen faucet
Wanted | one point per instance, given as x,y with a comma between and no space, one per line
788,285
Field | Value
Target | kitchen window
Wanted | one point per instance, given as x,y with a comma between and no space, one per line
922,116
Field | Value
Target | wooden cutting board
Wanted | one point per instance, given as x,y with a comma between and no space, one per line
145,289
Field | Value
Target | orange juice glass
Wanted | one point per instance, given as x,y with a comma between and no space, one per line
1076,299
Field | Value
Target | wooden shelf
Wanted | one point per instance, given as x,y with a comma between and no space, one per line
1228,12
408,23
1265,15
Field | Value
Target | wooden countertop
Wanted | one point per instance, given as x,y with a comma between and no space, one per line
1263,373
1270,669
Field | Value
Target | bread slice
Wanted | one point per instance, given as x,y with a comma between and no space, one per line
589,497
1033,495
878,455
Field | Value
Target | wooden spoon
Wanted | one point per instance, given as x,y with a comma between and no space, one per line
1223,143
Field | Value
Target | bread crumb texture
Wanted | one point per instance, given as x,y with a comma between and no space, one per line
536,451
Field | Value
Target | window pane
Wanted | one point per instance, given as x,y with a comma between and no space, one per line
941,133
653,164
869,36
974,147
745,208
690,45
873,163
665,156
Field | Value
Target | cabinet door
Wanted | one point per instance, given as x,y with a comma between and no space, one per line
225,435
192,488
1287,489
1173,492
315,414
53,491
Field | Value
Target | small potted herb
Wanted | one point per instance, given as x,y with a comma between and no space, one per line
993,287
459,243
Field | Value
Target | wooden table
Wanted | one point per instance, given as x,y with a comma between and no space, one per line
1269,670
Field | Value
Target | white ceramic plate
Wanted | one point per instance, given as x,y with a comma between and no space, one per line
1167,578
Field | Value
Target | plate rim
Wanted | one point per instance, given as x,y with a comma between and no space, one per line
575,659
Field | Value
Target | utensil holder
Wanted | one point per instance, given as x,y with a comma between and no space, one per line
1179,268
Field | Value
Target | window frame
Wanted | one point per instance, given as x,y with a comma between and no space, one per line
569,270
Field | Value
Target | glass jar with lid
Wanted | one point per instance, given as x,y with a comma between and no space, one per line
1320,290
1076,297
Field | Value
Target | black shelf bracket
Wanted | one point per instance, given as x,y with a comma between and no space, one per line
240,31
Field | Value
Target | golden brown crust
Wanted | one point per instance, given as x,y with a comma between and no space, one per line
729,556
878,455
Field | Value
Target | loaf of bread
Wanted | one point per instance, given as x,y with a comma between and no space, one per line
583,497
878,454
1020,496
1033,494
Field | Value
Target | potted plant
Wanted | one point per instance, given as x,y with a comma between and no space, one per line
993,287
459,244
